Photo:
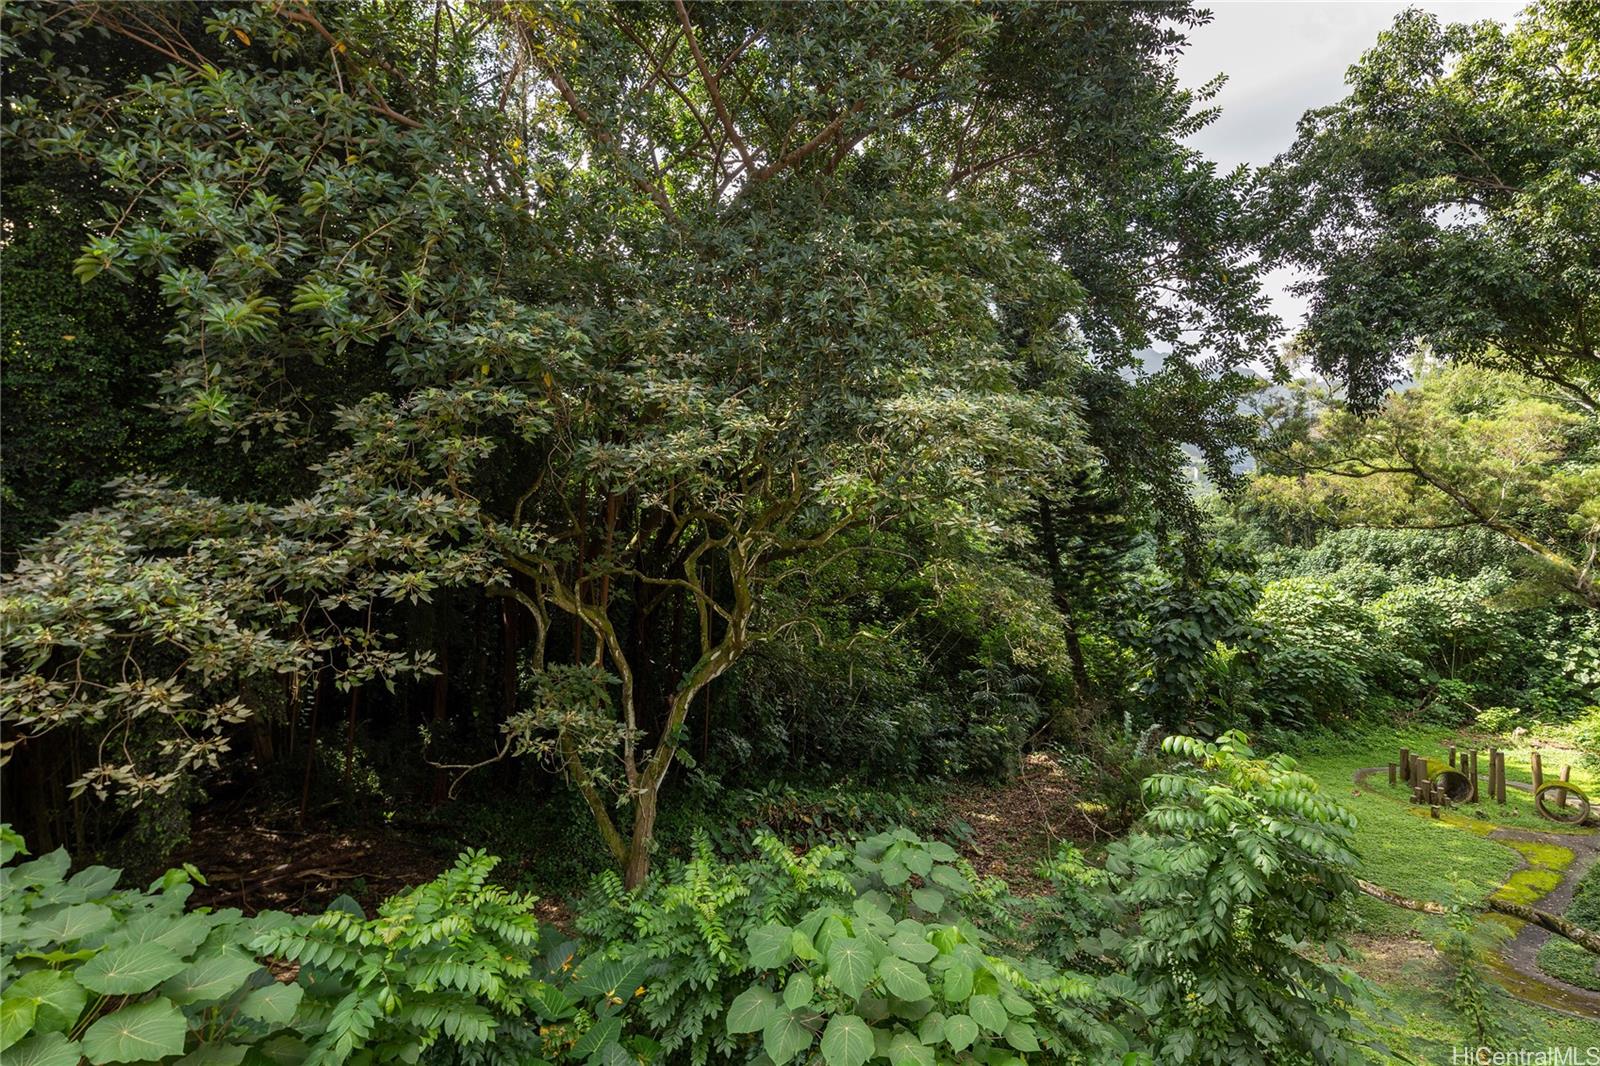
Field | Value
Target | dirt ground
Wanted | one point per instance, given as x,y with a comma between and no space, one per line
1017,825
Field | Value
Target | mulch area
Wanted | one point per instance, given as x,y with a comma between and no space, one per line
1017,825
258,867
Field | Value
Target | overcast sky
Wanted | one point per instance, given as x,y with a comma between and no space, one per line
1283,57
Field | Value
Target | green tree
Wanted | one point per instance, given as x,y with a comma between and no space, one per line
1466,447
614,311
1451,201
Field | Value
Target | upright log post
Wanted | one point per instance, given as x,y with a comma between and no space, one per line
1537,766
1405,764
1561,793
1452,757
1391,775
1473,775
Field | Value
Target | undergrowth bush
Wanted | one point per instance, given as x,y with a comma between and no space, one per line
1191,947
94,972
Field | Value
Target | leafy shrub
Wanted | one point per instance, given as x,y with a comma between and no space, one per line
1322,653
1183,619
1501,719
1448,626
448,958
1209,908
118,975
870,954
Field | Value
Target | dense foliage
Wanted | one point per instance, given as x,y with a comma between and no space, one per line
893,950
683,446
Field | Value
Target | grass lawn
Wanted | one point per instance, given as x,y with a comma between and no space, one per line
1449,860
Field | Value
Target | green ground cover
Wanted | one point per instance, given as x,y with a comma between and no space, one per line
1452,859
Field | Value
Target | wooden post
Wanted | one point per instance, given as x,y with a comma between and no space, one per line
1500,779
1452,758
1433,811
1422,770
1561,793
1472,774
1405,764
1538,770
1391,775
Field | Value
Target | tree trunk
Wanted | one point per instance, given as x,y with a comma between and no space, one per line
1080,672
1554,923
644,831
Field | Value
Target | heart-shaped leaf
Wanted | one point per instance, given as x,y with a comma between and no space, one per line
847,1041
752,1009
129,969
903,979
139,1033
850,965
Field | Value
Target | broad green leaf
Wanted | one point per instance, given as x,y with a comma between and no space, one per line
784,1037
212,978
951,878
987,1012
907,1050
1015,1004
847,1041
797,992
903,979
960,1031
57,998
931,1031
68,924
751,1010
770,946
95,881
16,1018
912,947
929,899
958,982
917,861
607,978
802,947
611,1054
129,969
42,1049
940,851
46,869
275,1004
284,1050
152,1030
895,873
599,1035
1020,1036
179,933
11,843
554,1004
850,965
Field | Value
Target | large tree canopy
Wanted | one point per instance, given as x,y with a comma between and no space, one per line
1465,447
614,311
1452,200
